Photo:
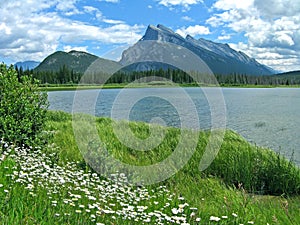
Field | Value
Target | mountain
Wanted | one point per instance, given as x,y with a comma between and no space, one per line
291,77
289,74
220,58
78,61
161,48
73,60
27,65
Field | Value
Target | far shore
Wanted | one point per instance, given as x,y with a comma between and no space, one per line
73,87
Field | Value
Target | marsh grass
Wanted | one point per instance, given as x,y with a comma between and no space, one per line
238,163
54,185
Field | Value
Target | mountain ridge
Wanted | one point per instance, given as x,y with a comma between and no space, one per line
27,65
220,58
75,60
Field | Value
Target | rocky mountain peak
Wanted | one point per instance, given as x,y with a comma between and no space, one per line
221,58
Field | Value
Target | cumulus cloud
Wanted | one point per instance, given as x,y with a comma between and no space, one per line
68,7
233,4
31,30
187,18
69,48
184,3
193,30
113,21
224,37
272,28
277,8
112,1
90,9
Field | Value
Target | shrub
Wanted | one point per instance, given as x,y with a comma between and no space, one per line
22,108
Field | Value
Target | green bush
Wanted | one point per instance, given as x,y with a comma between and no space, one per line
22,108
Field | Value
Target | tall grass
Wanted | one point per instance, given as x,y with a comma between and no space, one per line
238,163
54,185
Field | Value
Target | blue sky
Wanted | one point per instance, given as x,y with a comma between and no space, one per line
265,30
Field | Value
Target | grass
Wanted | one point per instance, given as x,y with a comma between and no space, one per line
53,185
73,87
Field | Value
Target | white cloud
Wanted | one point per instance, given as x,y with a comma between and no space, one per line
187,18
271,26
113,21
68,7
224,37
193,30
277,8
90,9
233,4
284,38
112,1
184,3
30,31
69,48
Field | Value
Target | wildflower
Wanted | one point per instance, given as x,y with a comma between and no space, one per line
174,211
224,217
92,198
180,210
250,222
148,220
181,206
78,211
91,206
234,214
214,218
198,219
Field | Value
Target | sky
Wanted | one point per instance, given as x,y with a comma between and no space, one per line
267,30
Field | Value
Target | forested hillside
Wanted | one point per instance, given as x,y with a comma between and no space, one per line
68,76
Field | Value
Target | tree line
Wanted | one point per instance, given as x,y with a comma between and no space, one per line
67,76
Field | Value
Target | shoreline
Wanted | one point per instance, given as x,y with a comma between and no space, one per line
151,85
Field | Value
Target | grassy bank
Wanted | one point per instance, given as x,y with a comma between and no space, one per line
150,85
244,185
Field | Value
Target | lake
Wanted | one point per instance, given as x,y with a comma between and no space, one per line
268,117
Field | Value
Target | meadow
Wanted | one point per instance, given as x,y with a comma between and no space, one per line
52,184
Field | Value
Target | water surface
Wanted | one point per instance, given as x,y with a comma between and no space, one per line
268,117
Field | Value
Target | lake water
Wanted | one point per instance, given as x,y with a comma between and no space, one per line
268,117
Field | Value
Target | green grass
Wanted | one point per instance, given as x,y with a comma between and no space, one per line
245,183
74,87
